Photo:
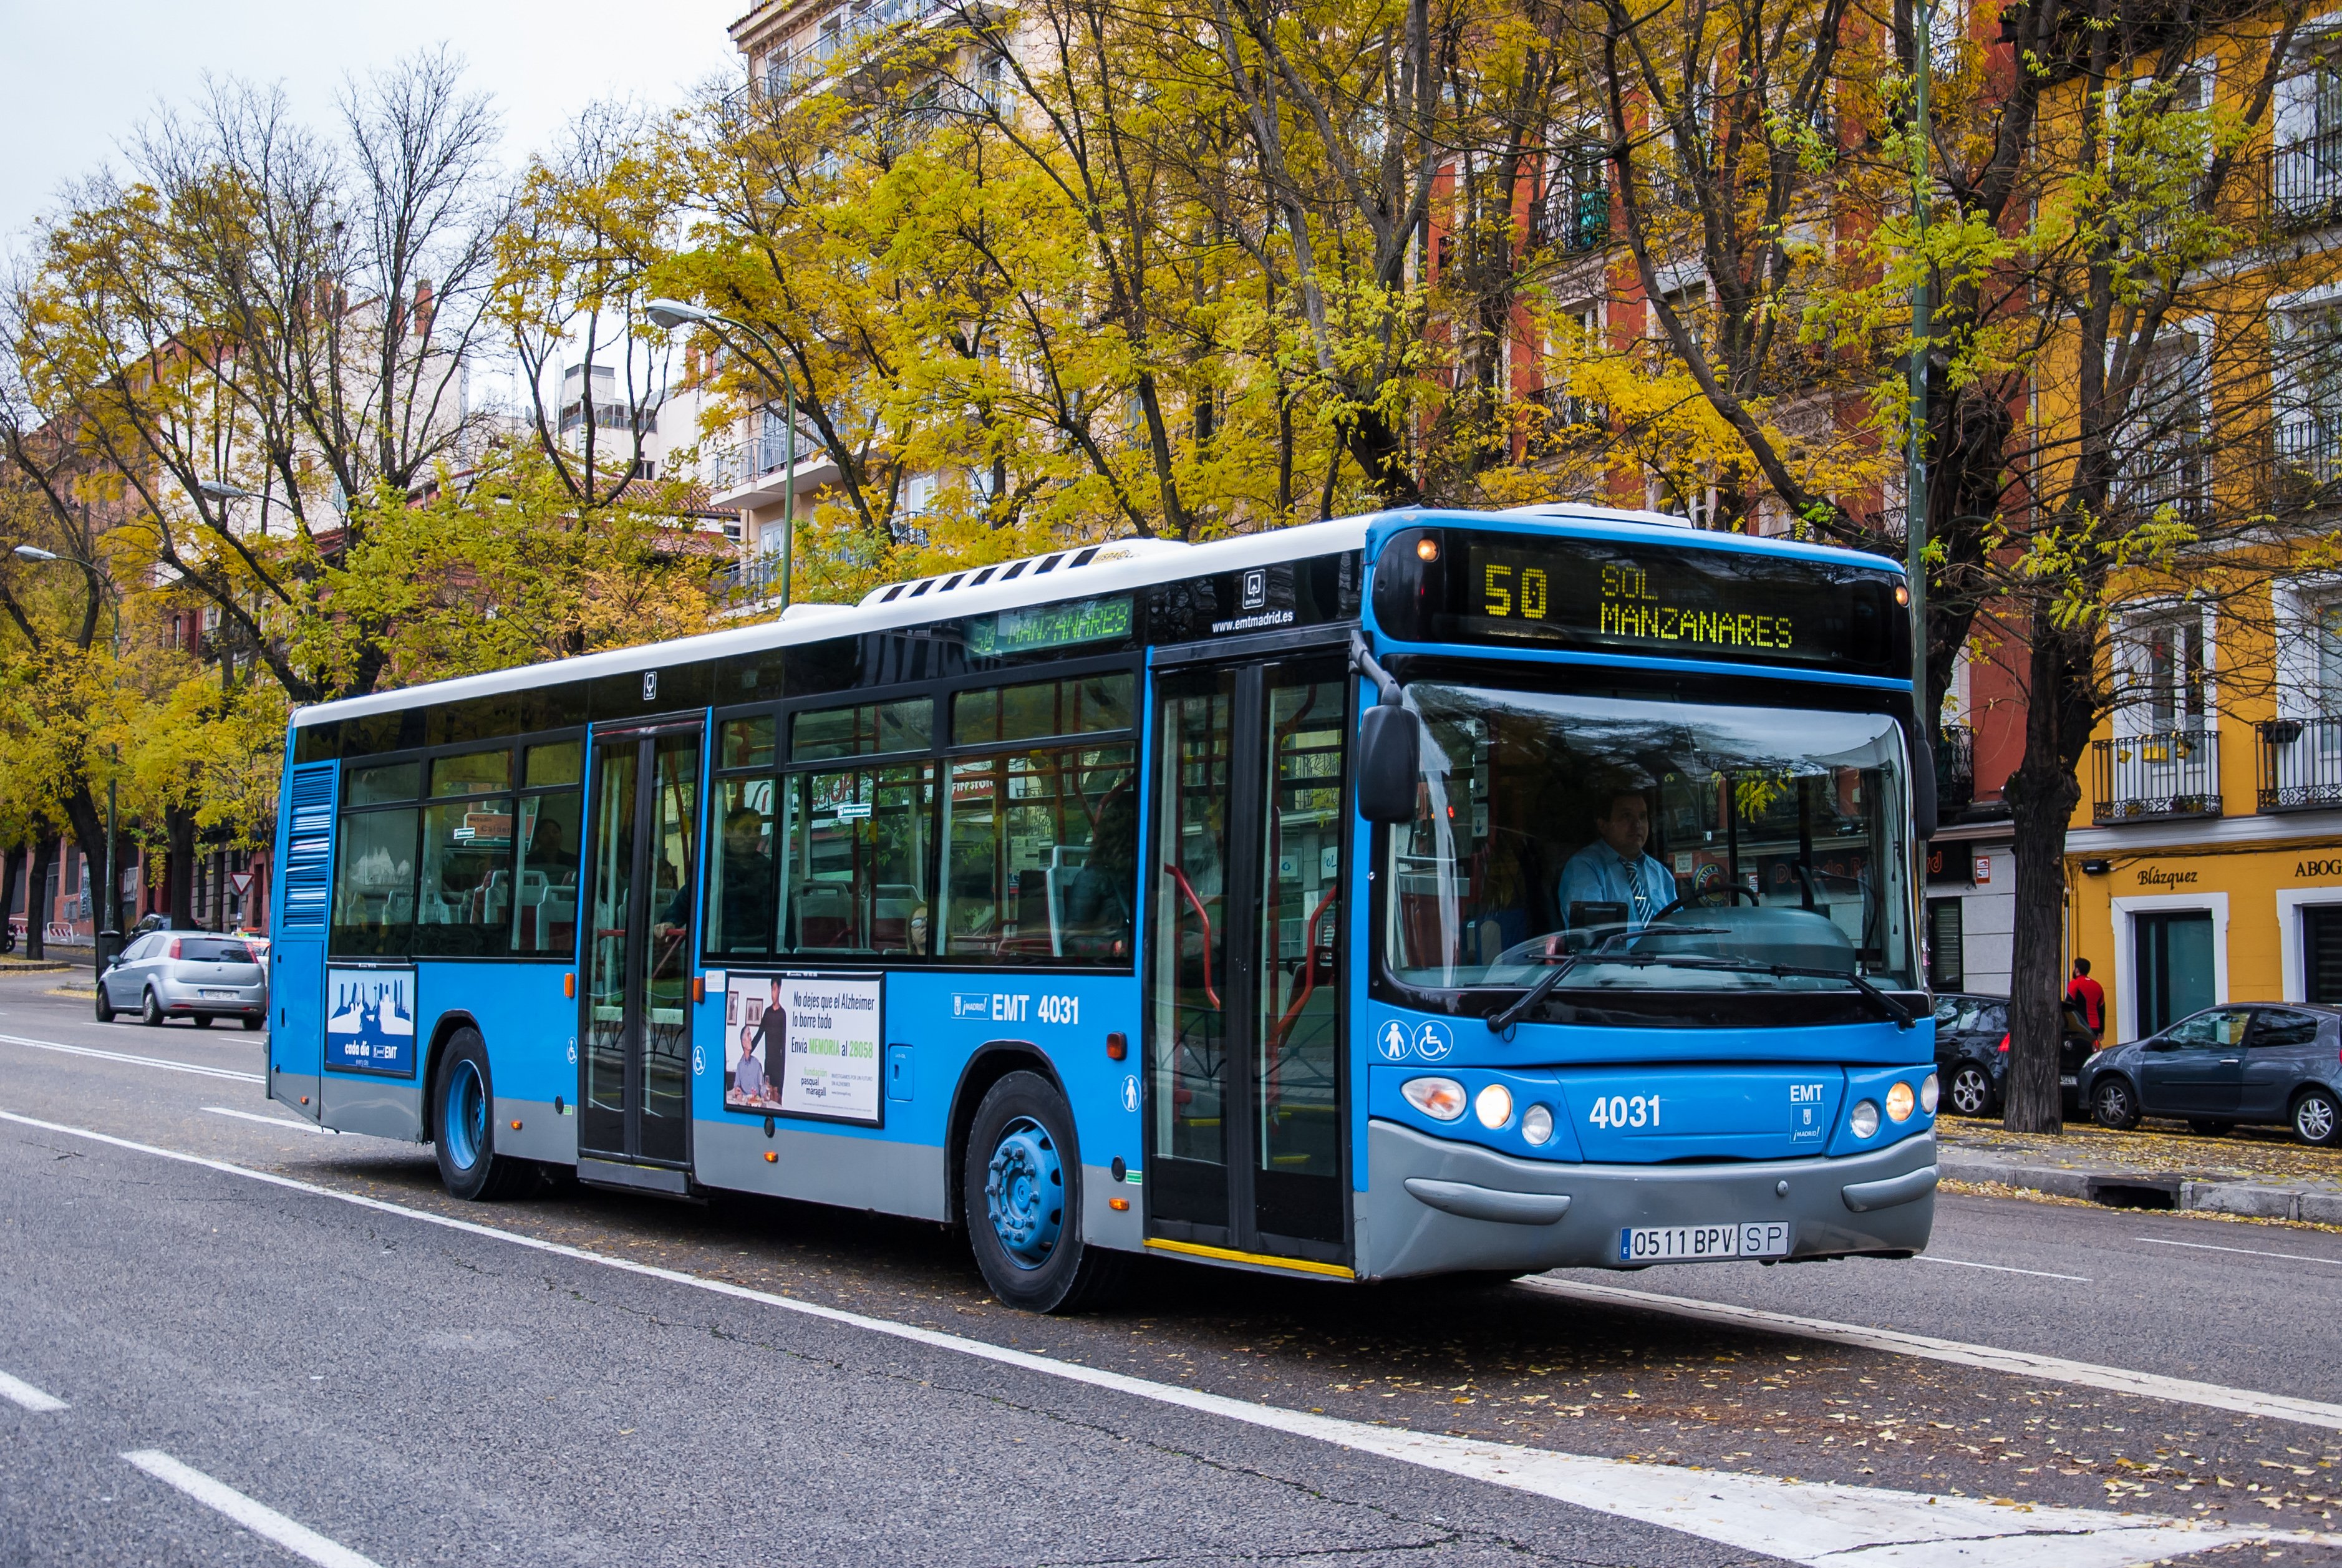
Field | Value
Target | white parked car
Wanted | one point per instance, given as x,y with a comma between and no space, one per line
185,975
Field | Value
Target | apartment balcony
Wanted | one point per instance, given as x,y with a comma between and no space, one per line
1955,769
2167,479
2301,764
2306,181
1572,215
2155,776
757,473
749,581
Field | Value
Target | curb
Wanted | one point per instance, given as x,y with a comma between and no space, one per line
2151,1189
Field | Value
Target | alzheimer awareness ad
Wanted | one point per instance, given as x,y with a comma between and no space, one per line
802,1046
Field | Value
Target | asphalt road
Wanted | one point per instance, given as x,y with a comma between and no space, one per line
418,1392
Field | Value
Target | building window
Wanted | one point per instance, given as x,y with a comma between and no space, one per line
1946,970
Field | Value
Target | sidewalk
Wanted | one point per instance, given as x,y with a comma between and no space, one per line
54,963
2259,1172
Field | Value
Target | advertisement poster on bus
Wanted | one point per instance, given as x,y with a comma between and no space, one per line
803,1044
370,1021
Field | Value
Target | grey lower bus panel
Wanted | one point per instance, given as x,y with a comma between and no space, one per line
380,1107
544,1134
1401,1232
821,1167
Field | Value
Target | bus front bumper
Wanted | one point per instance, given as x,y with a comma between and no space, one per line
1435,1207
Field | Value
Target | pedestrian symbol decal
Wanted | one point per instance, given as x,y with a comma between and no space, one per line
1433,1041
1130,1092
1392,1042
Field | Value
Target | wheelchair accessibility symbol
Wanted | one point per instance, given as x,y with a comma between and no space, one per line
1433,1041
698,1062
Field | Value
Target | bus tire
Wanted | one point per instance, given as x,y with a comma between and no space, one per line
463,1126
1021,1188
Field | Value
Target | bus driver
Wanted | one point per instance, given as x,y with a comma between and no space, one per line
1614,870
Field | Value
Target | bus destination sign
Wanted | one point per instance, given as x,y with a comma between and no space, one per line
1045,627
1450,585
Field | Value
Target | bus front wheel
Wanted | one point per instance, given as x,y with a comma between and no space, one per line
1022,1190
464,1127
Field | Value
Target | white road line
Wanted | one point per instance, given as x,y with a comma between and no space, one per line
22,1392
1822,1524
2000,1268
2247,1251
260,1519
2019,1362
271,1121
134,1061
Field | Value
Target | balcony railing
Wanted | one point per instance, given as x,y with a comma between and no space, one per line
1575,214
2301,764
1955,769
2170,477
750,580
734,466
2159,774
2305,180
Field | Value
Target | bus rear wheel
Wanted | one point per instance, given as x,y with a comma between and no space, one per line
1021,1190
463,1125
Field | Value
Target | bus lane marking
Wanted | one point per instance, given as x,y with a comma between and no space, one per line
257,1517
289,1127
18,1391
1999,1268
1958,1352
1823,1524
195,1068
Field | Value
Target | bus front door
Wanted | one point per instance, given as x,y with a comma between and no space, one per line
635,1068
1246,1021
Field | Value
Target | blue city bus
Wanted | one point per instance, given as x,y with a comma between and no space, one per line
1432,892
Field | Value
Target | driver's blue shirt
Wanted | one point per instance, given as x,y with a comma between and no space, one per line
1600,874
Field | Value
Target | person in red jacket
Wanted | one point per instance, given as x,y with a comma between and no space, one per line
2090,997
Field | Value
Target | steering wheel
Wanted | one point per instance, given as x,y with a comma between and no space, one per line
1729,889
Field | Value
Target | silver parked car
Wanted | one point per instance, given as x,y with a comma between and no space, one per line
185,975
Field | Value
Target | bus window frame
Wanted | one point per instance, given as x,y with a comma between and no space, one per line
421,803
942,754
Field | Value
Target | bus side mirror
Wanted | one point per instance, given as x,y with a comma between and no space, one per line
1922,789
1387,764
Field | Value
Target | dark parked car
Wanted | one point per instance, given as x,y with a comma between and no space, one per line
2268,1062
1972,1053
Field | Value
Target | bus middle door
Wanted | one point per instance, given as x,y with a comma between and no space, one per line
1246,1021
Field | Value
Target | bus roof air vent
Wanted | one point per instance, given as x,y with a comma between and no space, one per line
961,579
1566,514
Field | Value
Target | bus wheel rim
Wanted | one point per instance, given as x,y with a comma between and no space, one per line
1025,1193
467,1116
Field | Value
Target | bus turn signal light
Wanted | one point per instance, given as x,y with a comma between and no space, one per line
1117,1046
1119,1205
771,1158
515,1123
1441,1099
1900,1102
569,985
699,988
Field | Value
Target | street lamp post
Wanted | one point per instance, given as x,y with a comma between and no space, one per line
670,314
110,909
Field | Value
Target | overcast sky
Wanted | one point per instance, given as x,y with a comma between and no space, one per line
75,79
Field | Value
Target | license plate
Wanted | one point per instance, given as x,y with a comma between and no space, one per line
1703,1244
228,995
2069,1080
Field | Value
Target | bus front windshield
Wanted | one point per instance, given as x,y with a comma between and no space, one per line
1651,845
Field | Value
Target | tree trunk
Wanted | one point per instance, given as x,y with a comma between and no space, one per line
2041,796
12,870
36,901
179,865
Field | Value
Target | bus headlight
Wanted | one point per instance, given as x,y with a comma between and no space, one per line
1929,1091
1441,1099
1494,1106
1900,1102
1536,1124
1864,1119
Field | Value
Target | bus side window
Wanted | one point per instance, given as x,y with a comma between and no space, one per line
374,884
1040,853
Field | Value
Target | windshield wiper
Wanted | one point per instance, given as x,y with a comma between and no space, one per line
1527,1004
1893,1009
